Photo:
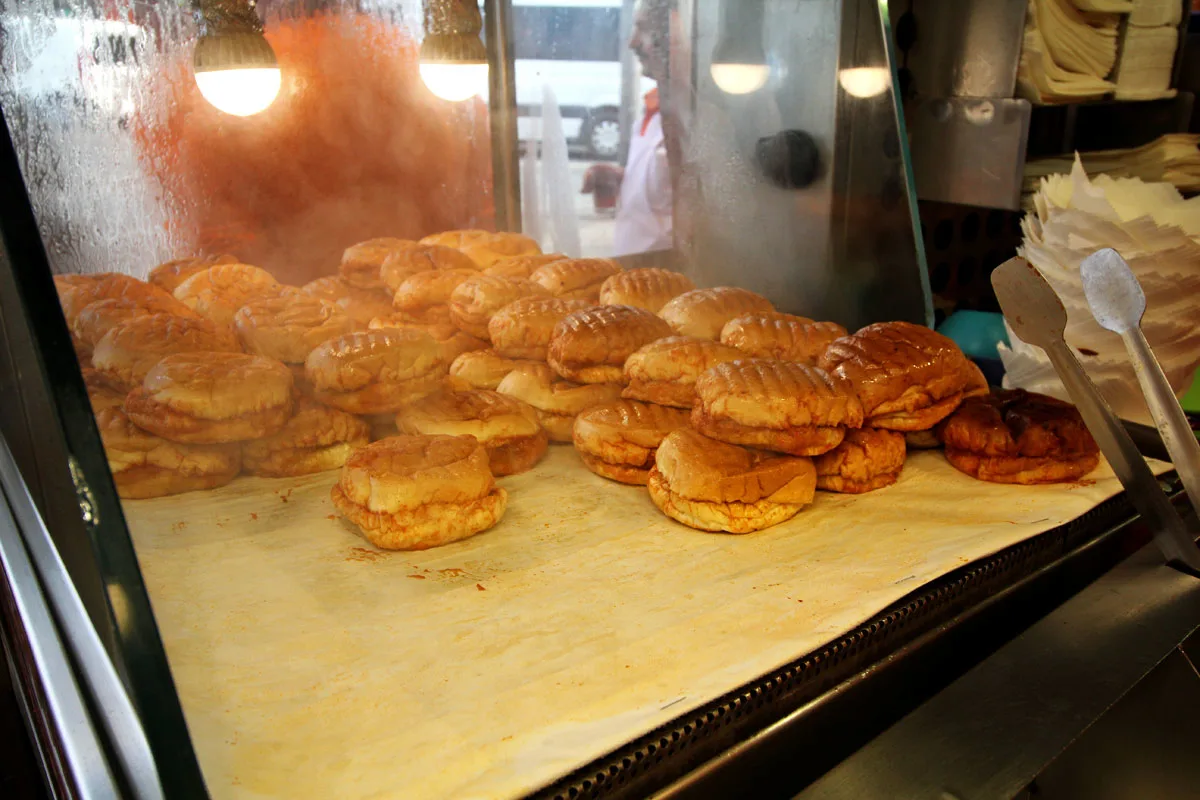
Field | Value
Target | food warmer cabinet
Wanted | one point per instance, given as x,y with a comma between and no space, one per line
244,642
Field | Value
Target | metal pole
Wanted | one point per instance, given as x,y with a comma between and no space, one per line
502,94
630,80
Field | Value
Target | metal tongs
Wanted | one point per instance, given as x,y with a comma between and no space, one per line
1036,314
1118,304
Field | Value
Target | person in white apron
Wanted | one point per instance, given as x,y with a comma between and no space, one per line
644,204
643,220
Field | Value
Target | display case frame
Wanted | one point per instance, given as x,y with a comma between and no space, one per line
824,704
60,461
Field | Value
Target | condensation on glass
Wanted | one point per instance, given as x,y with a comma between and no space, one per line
128,166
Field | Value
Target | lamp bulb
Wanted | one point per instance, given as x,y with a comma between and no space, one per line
455,82
241,92
739,78
865,82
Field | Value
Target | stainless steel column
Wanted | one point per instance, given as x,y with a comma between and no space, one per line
502,98
630,74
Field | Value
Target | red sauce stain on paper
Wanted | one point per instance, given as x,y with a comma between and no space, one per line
479,586
362,554
452,572
418,577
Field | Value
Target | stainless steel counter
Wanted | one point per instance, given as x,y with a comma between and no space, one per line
991,732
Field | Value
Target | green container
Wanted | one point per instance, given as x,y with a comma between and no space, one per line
1191,400
976,332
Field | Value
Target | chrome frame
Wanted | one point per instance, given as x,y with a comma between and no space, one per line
40,581
502,100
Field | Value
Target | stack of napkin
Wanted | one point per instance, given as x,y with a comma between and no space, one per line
1080,50
1143,70
1173,159
1068,52
1158,233
1155,13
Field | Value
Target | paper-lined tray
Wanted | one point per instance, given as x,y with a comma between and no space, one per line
310,664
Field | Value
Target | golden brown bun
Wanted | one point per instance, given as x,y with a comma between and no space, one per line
361,263
97,319
459,344
450,339
457,238
417,492
708,516
78,295
621,473
1021,469
218,292
558,427
212,398
588,295
522,266
713,486
481,413
430,324
523,328
475,301
144,465
704,312
288,328
127,352
415,258
868,459
777,394
538,385
484,369
624,434
701,468
427,289
556,401
101,394
807,440
168,275
665,371
67,287
434,319
362,305
506,427
908,377
570,276
374,372
517,455
591,346
775,405
650,288
1015,436
316,439
495,247
771,334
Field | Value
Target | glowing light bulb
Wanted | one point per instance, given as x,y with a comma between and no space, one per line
455,82
865,81
241,92
740,78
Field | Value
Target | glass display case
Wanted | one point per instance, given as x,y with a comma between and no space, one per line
209,622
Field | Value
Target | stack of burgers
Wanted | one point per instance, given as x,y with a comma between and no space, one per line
735,419
426,369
